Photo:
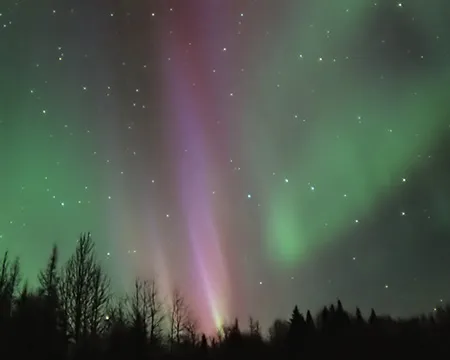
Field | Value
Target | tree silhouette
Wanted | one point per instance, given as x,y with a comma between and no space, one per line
26,324
146,313
191,329
359,317
332,311
311,327
54,325
278,333
323,320
254,328
373,317
36,323
340,308
297,331
178,319
156,313
98,300
342,320
234,331
9,281
232,342
49,278
203,353
84,292
118,333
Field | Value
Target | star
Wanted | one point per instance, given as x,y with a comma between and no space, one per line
261,108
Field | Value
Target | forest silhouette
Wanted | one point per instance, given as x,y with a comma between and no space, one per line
72,314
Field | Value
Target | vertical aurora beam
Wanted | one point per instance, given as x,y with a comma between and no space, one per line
196,206
196,151
203,235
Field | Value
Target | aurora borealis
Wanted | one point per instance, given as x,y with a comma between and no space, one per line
256,154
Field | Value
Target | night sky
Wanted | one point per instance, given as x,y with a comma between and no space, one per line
254,154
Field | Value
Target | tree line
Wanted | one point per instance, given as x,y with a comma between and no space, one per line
72,314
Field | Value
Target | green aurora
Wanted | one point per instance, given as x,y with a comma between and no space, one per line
346,170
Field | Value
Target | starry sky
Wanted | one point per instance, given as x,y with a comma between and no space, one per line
255,154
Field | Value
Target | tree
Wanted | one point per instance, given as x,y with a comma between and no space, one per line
297,331
146,313
9,281
98,300
323,319
26,325
178,319
278,333
204,345
118,344
359,317
84,291
253,341
232,340
156,313
139,309
254,329
54,325
117,313
48,289
310,323
49,278
342,320
332,311
340,307
191,329
373,317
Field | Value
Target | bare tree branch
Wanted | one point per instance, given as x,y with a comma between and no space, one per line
84,291
146,309
9,282
183,325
